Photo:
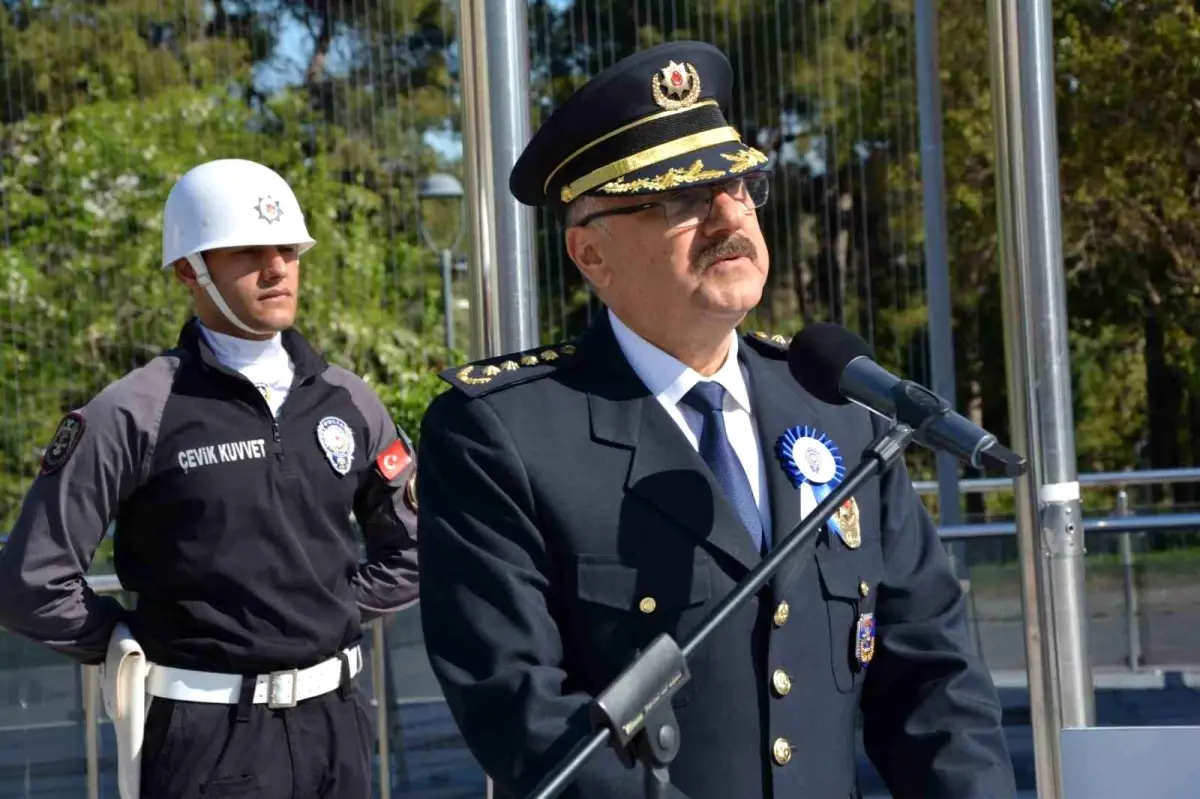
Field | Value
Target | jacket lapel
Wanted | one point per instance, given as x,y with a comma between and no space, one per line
778,405
664,471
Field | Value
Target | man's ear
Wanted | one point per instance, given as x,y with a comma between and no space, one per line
583,247
185,273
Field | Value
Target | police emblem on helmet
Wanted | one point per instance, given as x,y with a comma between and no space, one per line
337,440
268,209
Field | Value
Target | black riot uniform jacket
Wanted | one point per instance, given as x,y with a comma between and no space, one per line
233,526
566,522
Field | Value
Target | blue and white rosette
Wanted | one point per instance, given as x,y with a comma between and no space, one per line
814,465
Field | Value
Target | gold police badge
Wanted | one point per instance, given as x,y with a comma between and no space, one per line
848,523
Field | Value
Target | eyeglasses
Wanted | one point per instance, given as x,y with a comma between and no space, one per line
688,208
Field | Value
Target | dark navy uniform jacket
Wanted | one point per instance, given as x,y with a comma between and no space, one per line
566,522
232,524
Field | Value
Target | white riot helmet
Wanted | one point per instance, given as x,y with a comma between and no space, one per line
229,202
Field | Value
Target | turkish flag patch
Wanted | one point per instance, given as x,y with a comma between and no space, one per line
393,460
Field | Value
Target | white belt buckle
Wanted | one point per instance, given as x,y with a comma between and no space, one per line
281,689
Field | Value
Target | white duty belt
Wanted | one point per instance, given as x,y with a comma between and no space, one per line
280,689
127,678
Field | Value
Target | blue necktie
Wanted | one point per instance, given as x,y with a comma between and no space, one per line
708,398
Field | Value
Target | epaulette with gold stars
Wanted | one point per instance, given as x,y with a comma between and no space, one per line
487,375
773,346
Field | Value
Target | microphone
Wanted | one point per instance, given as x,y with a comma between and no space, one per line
836,366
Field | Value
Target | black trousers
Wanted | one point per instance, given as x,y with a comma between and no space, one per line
319,749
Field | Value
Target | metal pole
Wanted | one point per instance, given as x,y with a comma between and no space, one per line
91,738
937,264
448,297
1049,528
494,51
1133,631
379,689
479,179
1059,489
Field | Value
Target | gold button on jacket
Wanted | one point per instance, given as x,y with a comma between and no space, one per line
781,682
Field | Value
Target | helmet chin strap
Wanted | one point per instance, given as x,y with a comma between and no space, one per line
205,280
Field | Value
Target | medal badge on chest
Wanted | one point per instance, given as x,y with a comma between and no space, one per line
864,639
814,464
336,438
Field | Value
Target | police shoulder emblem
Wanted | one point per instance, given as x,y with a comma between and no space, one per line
62,446
864,639
482,377
773,346
336,438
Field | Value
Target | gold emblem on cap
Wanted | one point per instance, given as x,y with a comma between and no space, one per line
744,159
529,360
675,86
847,519
647,605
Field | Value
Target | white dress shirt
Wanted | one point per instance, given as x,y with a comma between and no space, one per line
669,381
266,364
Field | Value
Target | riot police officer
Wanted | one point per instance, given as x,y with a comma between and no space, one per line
231,465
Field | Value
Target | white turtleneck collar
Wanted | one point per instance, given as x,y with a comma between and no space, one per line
266,364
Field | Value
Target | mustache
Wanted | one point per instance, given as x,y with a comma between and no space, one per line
735,246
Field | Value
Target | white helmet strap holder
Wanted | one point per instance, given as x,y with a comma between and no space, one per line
205,279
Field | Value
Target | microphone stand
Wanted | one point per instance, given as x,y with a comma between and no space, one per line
635,709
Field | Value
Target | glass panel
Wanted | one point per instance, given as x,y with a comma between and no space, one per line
42,741
430,760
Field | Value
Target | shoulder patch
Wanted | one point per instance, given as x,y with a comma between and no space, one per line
62,446
488,375
773,346
393,459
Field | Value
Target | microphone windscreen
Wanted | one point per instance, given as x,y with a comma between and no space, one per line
819,354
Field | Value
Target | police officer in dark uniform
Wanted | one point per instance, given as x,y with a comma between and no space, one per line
578,500
231,465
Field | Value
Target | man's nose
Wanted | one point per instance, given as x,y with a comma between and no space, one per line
274,264
725,215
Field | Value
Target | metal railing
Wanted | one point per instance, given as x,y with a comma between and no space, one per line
983,485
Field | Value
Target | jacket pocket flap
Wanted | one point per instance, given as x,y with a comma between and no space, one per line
605,580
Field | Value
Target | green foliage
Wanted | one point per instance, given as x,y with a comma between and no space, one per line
106,104
84,192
